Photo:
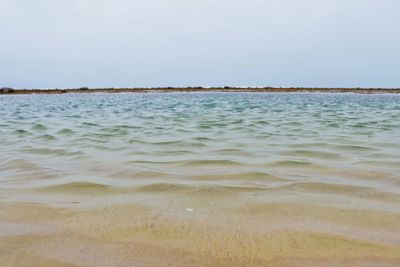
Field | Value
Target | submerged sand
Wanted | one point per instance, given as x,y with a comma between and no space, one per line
274,234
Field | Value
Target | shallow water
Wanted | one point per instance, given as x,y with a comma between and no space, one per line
244,179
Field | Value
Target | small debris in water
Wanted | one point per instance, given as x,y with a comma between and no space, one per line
190,210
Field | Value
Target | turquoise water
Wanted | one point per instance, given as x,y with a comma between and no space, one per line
200,179
192,139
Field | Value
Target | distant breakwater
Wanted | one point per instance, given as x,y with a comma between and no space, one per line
10,91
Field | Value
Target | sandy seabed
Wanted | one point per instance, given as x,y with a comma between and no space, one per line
251,234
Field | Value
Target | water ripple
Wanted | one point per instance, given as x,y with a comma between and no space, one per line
224,142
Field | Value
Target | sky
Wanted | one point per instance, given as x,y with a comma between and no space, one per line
150,43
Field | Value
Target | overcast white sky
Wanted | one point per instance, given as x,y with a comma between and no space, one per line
117,43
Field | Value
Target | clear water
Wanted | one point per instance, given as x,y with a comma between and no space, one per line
213,155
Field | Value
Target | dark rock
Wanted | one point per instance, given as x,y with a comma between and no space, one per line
6,90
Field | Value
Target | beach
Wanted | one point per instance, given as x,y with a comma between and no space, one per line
236,178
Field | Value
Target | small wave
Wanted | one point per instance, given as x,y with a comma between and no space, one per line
381,163
47,137
79,188
361,125
210,163
21,132
292,123
55,152
188,163
322,187
355,148
20,164
169,153
290,163
386,145
312,154
334,125
168,143
307,145
245,176
127,127
39,127
137,175
205,126
114,131
203,139
65,131
162,187
205,189
89,124
233,152
262,123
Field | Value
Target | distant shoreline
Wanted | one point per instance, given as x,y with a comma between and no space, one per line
9,91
